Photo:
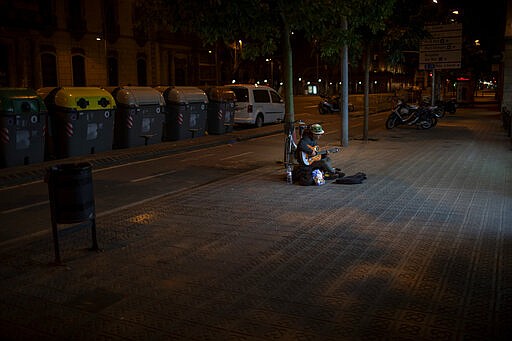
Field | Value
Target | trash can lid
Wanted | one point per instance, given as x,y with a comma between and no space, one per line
138,95
183,94
20,100
82,98
43,92
220,93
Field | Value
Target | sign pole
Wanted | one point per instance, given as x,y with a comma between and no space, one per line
432,99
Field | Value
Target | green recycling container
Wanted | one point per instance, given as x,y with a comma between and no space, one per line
22,127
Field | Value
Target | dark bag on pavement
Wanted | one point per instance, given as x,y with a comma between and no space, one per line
303,175
351,179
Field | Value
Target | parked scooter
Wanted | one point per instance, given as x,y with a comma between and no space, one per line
441,107
449,106
404,114
331,105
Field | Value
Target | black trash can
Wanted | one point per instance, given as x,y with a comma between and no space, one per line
140,116
82,120
221,110
22,127
71,192
71,199
185,114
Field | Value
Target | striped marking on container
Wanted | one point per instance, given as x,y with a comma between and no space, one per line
69,129
129,121
4,135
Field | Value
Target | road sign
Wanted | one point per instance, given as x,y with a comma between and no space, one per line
442,50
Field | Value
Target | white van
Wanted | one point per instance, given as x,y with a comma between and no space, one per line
257,104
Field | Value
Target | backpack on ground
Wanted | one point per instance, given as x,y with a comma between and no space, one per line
351,179
303,175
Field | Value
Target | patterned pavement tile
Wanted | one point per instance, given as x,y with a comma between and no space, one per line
421,250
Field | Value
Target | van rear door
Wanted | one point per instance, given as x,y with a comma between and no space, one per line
243,110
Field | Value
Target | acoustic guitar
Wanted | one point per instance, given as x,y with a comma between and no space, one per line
308,159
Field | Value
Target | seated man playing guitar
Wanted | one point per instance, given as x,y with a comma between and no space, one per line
308,153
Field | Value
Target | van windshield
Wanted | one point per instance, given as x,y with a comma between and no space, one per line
242,95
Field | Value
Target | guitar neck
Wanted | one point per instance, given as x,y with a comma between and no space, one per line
325,151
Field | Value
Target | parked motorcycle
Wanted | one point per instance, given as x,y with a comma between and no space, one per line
449,106
329,105
405,114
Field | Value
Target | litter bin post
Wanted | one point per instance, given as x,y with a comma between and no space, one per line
71,197
22,127
186,109
82,120
140,116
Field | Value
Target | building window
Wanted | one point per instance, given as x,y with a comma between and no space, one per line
112,71
180,71
4,65
78,65
49,69
142,78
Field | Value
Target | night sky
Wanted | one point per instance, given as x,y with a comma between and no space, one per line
483,20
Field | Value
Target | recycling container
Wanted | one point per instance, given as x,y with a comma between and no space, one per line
185,114
22,127
221,110
81,120
140,116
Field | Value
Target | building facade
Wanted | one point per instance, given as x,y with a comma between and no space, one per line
48,43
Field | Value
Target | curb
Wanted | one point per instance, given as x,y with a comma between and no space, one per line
18,175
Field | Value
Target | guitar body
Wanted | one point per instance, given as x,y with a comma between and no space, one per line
308,159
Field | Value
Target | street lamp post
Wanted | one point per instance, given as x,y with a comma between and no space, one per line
271,71
101,37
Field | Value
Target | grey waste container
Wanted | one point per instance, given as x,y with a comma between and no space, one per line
140,116
221,110
81,120
22,127
185,114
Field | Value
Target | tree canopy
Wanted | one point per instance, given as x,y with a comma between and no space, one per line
265,26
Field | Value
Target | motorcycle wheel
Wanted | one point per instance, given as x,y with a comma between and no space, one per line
426,124
322,110
391,122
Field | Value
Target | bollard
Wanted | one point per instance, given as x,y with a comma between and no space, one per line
71,199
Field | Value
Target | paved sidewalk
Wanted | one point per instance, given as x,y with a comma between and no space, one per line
420,251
